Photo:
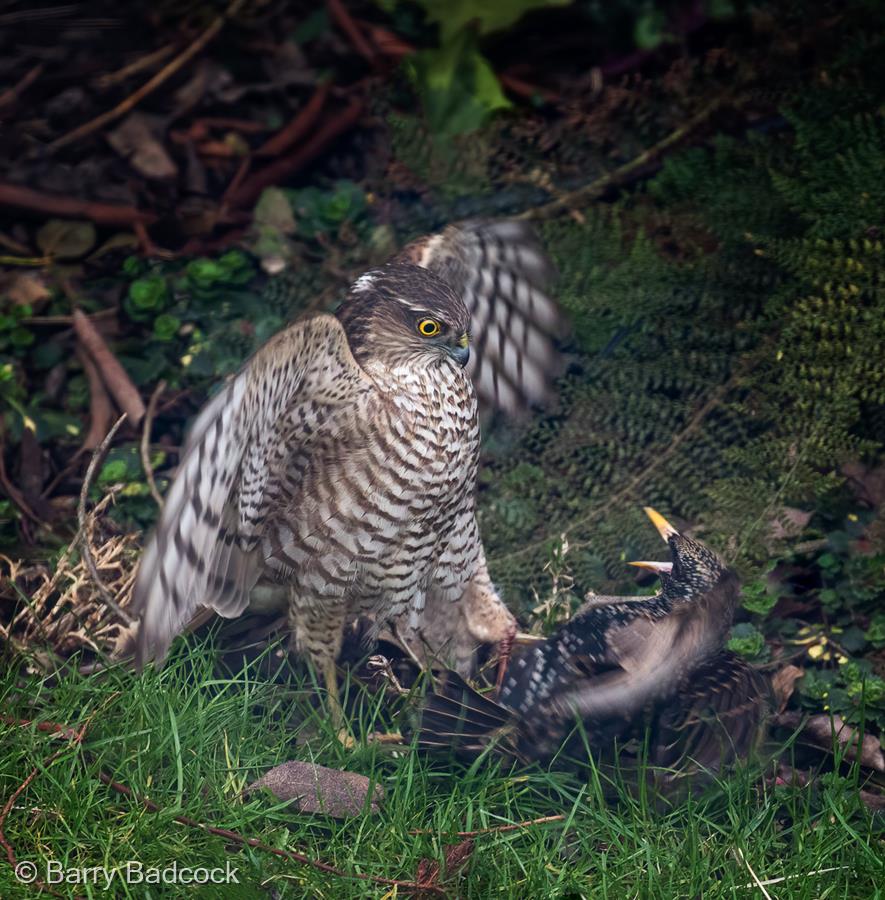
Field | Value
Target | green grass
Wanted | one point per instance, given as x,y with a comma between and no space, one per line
191,741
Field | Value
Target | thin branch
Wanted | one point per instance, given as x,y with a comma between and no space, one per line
85,528
113,374
55,321
75,737
621,495
139,65
12,94
243,841
284,167
345,22
146,442
151,85
71,207
583,195
300,125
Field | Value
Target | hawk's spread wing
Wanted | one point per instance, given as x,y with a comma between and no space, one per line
204,551
503,275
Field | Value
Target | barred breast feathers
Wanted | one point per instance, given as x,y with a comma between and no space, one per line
204,551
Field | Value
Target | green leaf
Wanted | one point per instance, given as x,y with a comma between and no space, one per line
756,598
112,471
650,29
485,15
459,88
148,294
166,326
748,641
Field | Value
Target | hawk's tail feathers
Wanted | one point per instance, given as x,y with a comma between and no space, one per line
457,716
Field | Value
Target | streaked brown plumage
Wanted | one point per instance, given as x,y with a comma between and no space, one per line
620,664
341,460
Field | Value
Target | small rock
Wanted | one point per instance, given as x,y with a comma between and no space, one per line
318,789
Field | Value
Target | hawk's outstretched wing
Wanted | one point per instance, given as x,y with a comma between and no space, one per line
503,275
204,551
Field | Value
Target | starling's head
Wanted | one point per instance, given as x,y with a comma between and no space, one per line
403,314
694,570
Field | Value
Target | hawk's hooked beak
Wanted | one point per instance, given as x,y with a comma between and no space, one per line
656,567
461,351
665,529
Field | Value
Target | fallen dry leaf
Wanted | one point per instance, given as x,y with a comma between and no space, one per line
135,139
868,483
455,857
27,289
788,522
318,789
783,683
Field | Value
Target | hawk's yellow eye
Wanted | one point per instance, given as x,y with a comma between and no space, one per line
428,327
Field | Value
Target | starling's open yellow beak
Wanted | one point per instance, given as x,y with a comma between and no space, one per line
656,567
665,529
464,341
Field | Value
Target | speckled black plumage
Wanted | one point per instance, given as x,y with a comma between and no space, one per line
620,665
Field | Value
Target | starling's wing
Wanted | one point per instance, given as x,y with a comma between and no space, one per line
455,716
647,659
503,275
715,719
205,549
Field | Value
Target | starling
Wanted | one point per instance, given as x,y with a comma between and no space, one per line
621,665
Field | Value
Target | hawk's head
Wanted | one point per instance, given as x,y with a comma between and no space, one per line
405,314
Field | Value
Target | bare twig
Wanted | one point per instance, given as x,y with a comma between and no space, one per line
620,495
284,167
113,374
495,829
345,22
85,527
146,442
12,94
593,190
139,65
101,410
70,207
55,321
151,85
243,841
75,737
299,126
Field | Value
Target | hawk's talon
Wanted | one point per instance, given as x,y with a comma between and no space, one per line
504,650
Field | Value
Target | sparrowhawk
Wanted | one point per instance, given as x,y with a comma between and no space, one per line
342,459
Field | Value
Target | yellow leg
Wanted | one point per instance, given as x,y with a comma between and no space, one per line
336,713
